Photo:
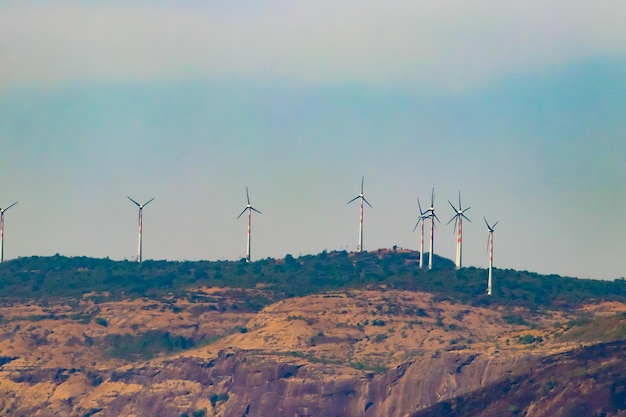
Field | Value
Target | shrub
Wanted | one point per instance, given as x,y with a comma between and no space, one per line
101,321
530,339
215,398
379,337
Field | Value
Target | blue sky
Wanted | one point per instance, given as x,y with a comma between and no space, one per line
519,106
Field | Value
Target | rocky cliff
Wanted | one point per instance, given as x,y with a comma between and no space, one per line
376,352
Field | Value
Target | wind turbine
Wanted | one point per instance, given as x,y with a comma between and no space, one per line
362,197
490,245
2,231
458,226
250,209
141,206
422,218
432,216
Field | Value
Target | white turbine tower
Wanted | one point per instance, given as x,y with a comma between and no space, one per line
362,197
422,218
432,216
2,231
141,206
490,246
249,208
458,226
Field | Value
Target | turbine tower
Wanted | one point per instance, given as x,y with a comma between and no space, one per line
362,197
2,231
458,226
249,208
432,216
141,206
422,218
490,246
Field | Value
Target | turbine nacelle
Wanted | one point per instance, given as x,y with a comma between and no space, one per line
490,228
141,206
361,195
6,208
459,213
248,206
423,214
431,209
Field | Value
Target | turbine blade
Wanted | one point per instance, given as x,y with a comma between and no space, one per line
243,211
435,216
432,198
416,224
465,217
453,218
487,223
353,199
452,205
247,195
419,206
368,203
146,203
362,181
138,205
10,206
494,226
466,209
252,208
460,200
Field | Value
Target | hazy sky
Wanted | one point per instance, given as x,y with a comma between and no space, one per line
520,105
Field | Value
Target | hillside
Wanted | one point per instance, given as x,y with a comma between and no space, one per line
56,277
333,334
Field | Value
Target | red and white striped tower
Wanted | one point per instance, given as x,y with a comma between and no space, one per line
249,208
432,242
360,246
422,247
490,244
490,263
362,197
140,243
433,217
2,231
422,218
459,215
459,243
249,229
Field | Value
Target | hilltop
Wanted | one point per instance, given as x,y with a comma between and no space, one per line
338,333
59,277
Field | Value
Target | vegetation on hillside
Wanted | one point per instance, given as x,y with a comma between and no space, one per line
48,278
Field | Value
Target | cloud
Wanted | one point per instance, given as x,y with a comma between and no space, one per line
451,44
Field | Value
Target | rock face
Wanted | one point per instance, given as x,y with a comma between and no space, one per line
353,354
239,383
589,381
